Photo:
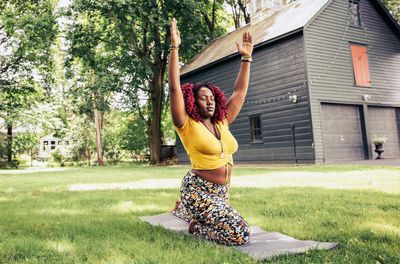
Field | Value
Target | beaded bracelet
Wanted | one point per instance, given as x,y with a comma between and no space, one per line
172,47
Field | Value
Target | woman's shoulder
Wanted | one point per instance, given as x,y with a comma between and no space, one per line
189,122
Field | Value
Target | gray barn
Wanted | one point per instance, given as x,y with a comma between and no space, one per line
325,78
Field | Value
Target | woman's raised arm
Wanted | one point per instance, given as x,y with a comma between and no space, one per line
177,104
236,101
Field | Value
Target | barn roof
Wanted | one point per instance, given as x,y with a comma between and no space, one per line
264,28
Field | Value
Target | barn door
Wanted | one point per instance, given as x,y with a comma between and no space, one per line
342,133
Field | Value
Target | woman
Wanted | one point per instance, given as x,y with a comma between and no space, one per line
201,117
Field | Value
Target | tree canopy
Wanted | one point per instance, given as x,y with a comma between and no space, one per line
27,32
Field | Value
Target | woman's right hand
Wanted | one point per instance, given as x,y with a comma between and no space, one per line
177,103
175,34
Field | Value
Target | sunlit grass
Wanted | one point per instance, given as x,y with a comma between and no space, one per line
62,246
42,222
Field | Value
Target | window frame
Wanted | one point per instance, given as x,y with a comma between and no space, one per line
351,44
252,139
351,24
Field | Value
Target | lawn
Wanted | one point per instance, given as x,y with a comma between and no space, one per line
41,221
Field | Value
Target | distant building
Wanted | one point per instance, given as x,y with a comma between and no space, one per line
50,144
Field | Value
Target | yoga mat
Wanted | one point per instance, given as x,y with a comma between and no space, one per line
262,245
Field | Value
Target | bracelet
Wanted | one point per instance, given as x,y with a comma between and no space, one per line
173,49
247,60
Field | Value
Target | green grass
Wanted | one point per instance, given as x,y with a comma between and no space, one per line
42,222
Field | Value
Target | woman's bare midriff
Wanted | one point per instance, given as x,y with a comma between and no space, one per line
217,176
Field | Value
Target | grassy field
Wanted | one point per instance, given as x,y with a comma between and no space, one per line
42,222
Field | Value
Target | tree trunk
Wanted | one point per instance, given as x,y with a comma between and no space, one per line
155,125
9,142
31,153
98,122
156,85
87,156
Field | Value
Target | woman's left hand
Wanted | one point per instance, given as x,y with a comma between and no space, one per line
246,49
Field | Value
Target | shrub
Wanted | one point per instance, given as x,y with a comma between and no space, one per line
58,158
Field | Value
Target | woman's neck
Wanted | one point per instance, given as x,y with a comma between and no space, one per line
206,121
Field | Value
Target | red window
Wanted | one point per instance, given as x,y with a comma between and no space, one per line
360,65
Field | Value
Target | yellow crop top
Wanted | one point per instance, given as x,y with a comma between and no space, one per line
205,151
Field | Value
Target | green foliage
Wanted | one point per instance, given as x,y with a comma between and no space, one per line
93,59
27,31
14,164
134,136
82,132
25,143
3,146
42,119
394,8
124,132
113,134
58,157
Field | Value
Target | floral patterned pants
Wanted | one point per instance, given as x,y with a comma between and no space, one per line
206,203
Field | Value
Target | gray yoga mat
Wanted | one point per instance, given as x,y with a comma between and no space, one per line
262,244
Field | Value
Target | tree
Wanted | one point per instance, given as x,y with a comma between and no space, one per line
239,12
83,133
27,31
140,32
394,8
131,139
26,143
94,61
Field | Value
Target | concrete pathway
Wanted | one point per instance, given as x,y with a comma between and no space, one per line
30,170
373,162
379,180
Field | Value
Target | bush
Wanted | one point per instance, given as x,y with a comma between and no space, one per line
58,158
113,156
14,164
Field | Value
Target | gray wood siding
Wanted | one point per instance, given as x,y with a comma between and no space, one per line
329,62
277,69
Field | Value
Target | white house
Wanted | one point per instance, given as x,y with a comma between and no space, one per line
49,144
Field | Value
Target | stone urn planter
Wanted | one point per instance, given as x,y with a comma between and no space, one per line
378,141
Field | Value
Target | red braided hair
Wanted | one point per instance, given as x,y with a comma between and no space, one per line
189,90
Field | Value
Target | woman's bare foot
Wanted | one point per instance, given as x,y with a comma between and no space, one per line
191,226
177,203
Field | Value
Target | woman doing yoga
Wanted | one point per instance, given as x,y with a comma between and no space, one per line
201,117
